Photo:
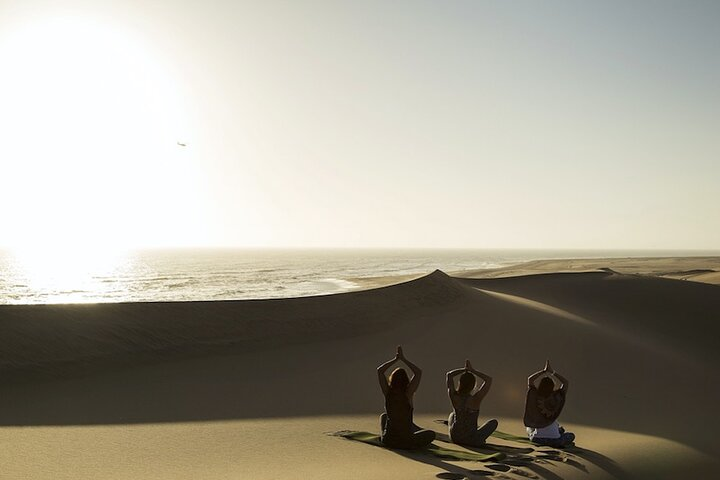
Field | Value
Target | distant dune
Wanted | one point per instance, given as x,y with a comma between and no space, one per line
640,352
699,269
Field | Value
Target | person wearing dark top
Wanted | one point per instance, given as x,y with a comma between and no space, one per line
463,421
396,424
543,406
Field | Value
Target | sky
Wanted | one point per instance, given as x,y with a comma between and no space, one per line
403,124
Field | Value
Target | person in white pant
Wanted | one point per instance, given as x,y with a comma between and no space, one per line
543,406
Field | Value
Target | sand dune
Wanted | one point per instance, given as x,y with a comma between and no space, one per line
297,448
700,269
640,352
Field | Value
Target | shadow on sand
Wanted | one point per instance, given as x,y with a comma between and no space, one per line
534,462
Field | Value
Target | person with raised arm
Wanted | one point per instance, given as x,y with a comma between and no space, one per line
543,406
463,420
397,429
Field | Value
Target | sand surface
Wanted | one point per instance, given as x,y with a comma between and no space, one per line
248,389
298,448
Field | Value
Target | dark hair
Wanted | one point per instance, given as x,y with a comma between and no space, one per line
466,383
546,386
399,379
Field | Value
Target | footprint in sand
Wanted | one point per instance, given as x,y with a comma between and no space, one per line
519,462
451,476
556,458
550,452
522,473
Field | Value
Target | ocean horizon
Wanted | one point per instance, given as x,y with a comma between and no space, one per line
241,273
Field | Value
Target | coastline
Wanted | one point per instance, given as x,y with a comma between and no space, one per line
117,369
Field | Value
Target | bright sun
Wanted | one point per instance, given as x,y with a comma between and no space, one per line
89,121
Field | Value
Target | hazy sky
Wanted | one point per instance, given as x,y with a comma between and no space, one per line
360,124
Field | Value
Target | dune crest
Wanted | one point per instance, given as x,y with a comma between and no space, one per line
623,340
542,307
52,340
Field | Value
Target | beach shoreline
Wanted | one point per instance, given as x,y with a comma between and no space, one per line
161,376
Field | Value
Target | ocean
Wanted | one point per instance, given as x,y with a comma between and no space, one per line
231,274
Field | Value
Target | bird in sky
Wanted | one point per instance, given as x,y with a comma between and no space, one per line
182,144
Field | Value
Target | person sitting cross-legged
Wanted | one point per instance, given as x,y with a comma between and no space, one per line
543,406
396,424
463,421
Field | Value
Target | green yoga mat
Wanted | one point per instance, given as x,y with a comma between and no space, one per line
493,446
499,434
432,449
512,438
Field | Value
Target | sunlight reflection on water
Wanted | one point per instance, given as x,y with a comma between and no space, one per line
100,275
67,276
86,276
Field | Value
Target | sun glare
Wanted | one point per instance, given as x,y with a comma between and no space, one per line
90,120
56,275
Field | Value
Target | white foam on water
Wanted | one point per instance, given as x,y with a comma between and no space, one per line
230,274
